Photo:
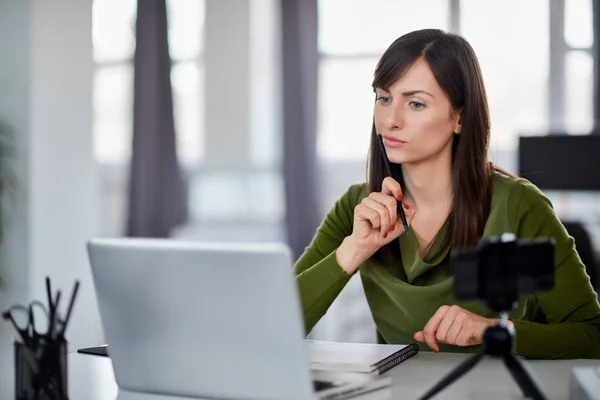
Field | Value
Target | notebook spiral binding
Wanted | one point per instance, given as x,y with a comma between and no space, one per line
397,358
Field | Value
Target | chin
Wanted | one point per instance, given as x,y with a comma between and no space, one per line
400,158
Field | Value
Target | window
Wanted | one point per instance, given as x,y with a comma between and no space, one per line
114,45
579,66
514,62
352,37
186,20
517,63
113,33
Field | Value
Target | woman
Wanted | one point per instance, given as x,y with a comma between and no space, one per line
431,110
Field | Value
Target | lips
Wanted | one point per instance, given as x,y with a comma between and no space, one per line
390,141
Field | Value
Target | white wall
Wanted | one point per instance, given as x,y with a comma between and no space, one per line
46,80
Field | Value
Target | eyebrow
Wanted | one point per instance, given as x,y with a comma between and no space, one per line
409,92
413,92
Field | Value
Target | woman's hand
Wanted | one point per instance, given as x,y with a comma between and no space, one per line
376,224
454,325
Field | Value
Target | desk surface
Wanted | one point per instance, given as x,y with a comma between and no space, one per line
92,378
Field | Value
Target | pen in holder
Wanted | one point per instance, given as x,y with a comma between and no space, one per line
42,376
40,347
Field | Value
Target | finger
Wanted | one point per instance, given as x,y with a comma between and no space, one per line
389,203
432,326
453,332
367,214
409,212
419,336
447,323
391,187
384,216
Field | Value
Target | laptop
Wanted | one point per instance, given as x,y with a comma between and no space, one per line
207,320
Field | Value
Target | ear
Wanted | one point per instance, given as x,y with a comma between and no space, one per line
456,117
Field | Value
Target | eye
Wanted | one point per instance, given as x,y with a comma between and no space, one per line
384,100
416,105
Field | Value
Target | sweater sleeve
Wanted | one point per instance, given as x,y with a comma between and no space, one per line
571,308
319,277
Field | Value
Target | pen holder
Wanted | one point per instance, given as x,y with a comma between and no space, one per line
41,376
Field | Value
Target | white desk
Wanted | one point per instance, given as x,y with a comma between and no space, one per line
91,378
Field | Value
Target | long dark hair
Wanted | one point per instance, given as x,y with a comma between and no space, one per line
456,69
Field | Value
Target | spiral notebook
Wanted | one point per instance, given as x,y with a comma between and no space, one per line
358,357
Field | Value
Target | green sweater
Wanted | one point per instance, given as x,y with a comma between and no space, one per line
404,294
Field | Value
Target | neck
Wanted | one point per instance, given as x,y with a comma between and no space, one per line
429,184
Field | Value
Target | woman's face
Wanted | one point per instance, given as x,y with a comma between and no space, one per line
415,117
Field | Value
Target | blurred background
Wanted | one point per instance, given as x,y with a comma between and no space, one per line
246,120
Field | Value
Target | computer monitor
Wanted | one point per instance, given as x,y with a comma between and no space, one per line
561,162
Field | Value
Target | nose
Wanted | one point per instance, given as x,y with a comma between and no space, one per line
394,117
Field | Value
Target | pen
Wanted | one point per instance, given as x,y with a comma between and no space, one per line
73,295
49,294
389,171
53,316
51,306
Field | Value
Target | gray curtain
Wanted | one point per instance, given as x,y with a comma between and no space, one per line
157,193
300,69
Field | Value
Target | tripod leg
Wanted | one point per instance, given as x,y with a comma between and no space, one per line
453,375
525,381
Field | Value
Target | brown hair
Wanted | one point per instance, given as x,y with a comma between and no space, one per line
456,69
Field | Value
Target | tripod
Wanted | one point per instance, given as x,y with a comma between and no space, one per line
498,341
